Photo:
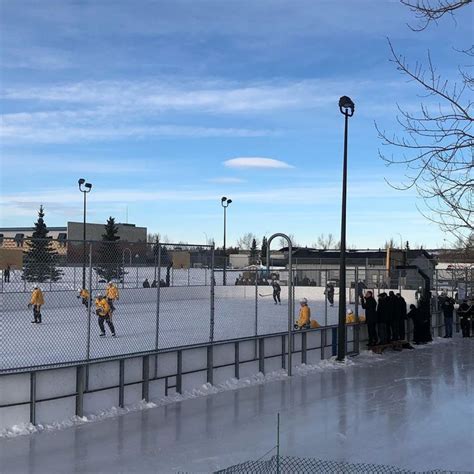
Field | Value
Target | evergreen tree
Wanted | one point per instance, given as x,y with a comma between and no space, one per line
253,253
41,259
263,251
110,257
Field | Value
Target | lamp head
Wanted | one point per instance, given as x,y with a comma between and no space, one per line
88,186
229,201
346,104
81,181
223,199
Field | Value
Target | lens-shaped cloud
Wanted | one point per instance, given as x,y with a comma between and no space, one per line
255,162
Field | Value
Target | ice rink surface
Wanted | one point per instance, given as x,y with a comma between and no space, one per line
412,409
184,319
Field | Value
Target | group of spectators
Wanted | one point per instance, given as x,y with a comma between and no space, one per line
154,284
386,317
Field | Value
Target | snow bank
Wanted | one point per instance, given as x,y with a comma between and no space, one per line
203,391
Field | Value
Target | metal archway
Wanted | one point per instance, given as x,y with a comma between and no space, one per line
291,306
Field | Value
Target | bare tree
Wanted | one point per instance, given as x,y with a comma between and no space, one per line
327,242
245,241
283,243
436,145
154,237
427,11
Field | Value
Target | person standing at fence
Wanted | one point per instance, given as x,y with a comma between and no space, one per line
37,300
112,294
425,312
370,305
329,292
447,307
104,313
402,316
383,323
415,315
6,274
85,296
392,305
276,291
465,313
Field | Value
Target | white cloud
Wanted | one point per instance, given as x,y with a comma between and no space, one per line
255,162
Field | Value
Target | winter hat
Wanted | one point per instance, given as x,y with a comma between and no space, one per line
304,300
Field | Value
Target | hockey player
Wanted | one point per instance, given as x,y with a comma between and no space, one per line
37,300
276,291
85,296
329,292
112,294
103,311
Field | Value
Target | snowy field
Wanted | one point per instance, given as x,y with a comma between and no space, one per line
182,318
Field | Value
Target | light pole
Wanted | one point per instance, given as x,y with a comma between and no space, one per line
225,204
84,188
346,106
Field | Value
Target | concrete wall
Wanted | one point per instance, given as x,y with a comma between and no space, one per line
168,373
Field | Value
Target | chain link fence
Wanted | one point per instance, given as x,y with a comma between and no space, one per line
167,296
295,465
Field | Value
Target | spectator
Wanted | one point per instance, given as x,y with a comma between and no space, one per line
370,305
402,316
383,318
465,313
425,314
146,283
447,307
392,305
6,274
415,315
153,284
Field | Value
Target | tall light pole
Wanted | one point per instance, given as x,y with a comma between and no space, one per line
84,188
346,106
225,204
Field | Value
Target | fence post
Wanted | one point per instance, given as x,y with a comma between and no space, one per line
212,309
356,297
256,303
146,377
33,398
89,308
80,383
158,296
326,298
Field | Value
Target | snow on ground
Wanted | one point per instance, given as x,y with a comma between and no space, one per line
203,391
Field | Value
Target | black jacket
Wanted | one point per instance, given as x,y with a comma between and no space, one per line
370,306
383,315
448,308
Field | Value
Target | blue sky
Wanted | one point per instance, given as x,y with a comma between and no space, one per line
152,102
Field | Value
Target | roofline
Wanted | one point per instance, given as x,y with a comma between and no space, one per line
25,229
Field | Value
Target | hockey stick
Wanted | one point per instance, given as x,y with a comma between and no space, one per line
263,296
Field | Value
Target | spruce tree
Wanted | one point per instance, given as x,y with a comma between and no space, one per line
110,265
263,251
253,253
41,259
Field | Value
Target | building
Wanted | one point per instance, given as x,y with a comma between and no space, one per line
68,241
376,268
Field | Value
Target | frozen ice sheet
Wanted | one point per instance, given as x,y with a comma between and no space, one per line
411,409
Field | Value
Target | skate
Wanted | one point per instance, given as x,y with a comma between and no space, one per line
114,335
102,334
